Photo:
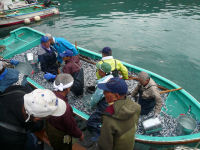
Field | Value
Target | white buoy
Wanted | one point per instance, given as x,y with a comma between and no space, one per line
56,11
37,18
27,21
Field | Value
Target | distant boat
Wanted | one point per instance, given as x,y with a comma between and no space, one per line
9,4
26,15
24,38
19,4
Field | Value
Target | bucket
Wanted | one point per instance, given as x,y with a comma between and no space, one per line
186,124
152,125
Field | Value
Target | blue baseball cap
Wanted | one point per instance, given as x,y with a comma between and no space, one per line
115,85
106,50
66,53
44,39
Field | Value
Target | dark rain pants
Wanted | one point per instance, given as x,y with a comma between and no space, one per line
95,120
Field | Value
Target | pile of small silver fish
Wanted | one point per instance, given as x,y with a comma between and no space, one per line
82,103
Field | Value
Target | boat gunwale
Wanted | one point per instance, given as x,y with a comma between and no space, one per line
32,12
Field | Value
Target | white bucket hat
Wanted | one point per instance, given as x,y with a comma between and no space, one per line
42,103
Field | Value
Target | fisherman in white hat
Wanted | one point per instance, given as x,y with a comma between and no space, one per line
21,111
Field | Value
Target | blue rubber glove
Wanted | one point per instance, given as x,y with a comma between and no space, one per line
14,62
49,76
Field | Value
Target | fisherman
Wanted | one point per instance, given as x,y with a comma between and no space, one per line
21,112
120,118
98,100
61,45
72,66
47,57
104,71
8,76
115,64
61,129
149,96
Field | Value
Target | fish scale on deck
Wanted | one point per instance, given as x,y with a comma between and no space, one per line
169,124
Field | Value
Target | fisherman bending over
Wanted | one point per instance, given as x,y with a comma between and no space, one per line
61,45
8,76
61,129
116,65
149,96
47,57
72,66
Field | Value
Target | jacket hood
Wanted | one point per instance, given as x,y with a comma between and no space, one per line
124,109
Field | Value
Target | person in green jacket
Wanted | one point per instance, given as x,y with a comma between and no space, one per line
120,118
116,65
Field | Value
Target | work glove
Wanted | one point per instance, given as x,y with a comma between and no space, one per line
14,62
49,76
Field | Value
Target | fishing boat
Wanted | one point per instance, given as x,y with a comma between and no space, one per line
26,15
9,4
25,38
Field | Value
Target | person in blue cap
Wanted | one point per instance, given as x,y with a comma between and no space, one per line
116,65
73,67
61,45
120,118
47,57
8,76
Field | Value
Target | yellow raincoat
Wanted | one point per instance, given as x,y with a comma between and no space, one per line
119,66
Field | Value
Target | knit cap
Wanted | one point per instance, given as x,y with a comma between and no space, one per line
105,67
